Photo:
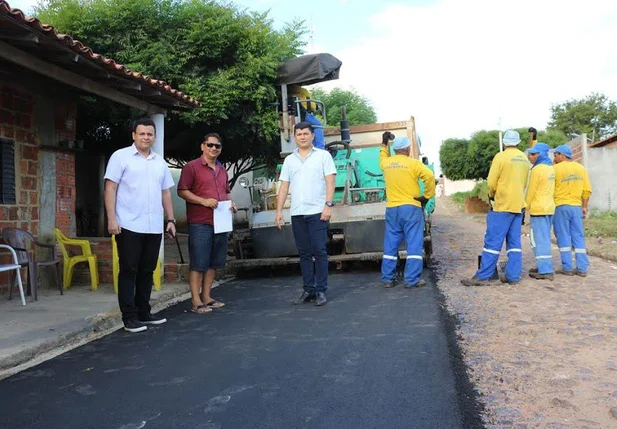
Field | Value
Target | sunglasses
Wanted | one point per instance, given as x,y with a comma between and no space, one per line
216,145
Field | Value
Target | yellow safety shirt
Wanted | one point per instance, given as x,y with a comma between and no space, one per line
507,180
401,174
572,184
540,198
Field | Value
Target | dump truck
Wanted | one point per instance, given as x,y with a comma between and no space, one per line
357,226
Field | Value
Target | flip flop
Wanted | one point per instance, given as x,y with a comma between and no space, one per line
201,309
215,304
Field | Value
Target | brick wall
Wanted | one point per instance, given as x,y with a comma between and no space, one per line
65,193
17,123
577,151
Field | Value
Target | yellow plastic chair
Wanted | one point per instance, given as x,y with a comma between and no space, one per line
156,277
71,261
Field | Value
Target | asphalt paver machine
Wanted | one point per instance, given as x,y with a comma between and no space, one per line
356,229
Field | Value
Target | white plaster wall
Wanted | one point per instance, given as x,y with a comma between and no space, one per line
454,186
601,166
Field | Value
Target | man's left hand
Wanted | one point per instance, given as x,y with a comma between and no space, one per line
171,229
233,207
423,200
326,214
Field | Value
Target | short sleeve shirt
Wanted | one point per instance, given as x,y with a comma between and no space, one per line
307,180
141,180
199,178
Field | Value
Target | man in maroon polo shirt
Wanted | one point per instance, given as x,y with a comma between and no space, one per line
203,183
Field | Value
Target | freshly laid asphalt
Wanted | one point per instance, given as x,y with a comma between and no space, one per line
371,358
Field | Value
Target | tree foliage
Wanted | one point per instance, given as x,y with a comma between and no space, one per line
471,159
452,155
359,109
595,115
223,56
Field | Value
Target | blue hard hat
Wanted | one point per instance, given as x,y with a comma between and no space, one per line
511,138
563,149
539,147
400,143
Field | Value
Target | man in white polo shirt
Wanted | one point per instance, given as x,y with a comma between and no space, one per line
137,188
309,173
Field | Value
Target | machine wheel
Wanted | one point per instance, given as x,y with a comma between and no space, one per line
427,252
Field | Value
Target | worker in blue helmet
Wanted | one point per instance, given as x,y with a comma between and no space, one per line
404,211
572,192
507,180
540,202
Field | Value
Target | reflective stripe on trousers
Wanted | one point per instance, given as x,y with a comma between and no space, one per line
403,223
541,242
569,232
502,226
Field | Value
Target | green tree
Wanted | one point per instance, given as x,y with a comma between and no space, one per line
595,115
359,109
220,54
452,156
484,145
462,159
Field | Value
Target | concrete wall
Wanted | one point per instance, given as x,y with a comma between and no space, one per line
454,186
601,165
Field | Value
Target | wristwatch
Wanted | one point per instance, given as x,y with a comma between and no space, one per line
171,220
330,203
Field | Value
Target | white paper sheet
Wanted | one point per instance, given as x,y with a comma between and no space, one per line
223,217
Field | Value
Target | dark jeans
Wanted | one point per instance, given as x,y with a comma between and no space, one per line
138,255
311,235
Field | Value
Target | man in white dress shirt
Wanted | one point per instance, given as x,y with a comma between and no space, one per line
137,188
309,173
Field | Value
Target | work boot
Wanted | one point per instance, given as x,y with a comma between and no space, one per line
533,270
580,273
539,276
474,281
564,272
503,279
389,284
305,298
419,284
320,299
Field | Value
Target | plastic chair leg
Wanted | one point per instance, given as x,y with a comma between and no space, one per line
65,275
157,276
94,277
69,274
21,287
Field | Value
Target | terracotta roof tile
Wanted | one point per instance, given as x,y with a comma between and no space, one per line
107,63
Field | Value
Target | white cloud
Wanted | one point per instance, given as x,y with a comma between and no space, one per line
459,67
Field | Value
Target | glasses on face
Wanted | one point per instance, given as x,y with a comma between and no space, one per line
214,145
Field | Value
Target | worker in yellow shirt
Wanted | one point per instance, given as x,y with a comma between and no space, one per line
540,201
507,179
404,211
572,192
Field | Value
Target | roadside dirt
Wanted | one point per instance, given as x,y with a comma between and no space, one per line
542,354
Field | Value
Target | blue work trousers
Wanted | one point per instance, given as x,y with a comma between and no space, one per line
310,234
569,231
404,222
541,242
502,226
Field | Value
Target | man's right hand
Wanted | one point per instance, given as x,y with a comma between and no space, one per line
113,227
278,220
385,137
210,202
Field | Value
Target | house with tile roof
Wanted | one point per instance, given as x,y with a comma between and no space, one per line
48,177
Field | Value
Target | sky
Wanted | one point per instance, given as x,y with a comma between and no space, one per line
459,66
